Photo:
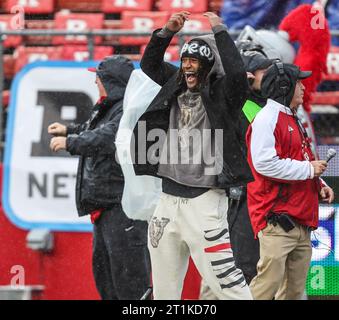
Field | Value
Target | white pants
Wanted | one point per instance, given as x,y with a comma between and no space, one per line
181,227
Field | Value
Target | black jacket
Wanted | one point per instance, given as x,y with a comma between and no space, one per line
222,96
99,182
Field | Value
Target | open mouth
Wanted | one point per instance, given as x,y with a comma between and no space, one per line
190,76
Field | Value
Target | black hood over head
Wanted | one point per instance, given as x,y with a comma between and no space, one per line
280,80
114,73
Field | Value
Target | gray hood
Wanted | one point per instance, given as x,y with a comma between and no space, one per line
217,68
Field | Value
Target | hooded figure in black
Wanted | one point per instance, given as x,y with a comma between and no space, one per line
120,257
204,95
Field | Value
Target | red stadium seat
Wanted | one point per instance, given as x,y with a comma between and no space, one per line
117,6
79,5
39,24
80,53
172,53
24,55
31,6
326,98
77,22
197,22
333,64
194,6
111,25
141,21
6,24
329,97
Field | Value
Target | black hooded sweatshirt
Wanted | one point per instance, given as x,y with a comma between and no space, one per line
223,97
100,179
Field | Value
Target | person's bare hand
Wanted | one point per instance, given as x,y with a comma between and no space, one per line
327,194
213,19
319,167
57,129
177,21
58,143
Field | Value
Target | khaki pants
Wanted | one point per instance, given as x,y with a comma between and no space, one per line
284,262
198,227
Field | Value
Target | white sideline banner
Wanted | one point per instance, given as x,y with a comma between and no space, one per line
39,186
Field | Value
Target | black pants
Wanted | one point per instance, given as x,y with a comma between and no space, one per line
121,263
245,247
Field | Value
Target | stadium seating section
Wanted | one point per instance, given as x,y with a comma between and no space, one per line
329,97
82,15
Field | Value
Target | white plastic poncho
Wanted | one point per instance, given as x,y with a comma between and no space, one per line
141,193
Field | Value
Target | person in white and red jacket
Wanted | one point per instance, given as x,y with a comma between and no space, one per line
283,198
